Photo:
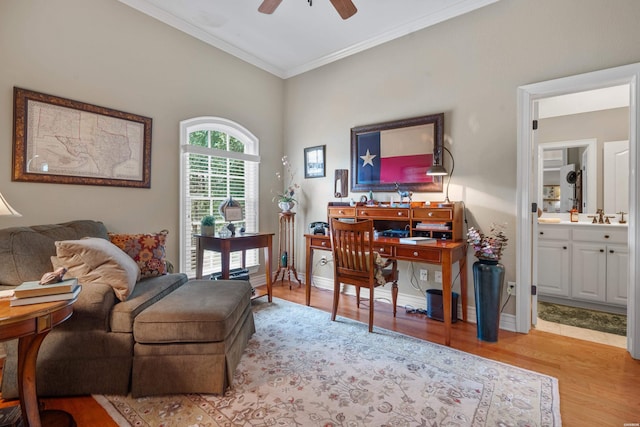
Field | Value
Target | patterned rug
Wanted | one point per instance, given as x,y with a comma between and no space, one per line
583,318
301,369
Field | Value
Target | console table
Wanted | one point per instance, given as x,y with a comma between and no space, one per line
441,252
30,324
239,242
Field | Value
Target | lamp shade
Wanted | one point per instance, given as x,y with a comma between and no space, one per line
437,170
6,209
440,170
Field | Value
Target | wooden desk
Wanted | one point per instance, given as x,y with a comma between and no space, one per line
239,242
30,324
441,252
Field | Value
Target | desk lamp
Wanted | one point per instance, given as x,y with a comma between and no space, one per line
440,170
231,210
6,209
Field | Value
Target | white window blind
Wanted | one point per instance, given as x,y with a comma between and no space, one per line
219,160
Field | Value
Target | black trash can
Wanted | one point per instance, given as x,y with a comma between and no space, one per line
435,307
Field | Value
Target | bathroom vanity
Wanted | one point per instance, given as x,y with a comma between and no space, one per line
583,264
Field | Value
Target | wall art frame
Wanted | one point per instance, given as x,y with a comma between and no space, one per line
315,161
396,154
62,141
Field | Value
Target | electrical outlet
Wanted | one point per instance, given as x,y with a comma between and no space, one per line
323,260
424,275
511,288
438,276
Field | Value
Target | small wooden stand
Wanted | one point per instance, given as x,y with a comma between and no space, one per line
287,248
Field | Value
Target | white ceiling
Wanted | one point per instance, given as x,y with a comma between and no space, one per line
296,37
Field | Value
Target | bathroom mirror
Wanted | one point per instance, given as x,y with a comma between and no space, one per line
568,174
589,130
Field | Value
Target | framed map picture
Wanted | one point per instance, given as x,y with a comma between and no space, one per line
57,140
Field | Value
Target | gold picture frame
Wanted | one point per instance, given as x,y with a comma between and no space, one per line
61,141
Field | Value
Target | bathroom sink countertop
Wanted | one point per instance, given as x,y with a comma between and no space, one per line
589,223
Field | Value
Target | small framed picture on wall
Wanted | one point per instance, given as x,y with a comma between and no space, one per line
314,161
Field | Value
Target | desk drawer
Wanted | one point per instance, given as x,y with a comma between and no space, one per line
342,212
320,243
383,213
427,255
436,214
384,250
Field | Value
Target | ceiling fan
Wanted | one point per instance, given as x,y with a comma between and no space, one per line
345,8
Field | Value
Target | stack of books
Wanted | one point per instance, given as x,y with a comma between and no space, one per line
432,226
35,293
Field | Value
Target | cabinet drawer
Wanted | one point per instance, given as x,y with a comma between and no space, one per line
600,235
428,213
382,213
551,232
320,243
384,250
342,212
419,254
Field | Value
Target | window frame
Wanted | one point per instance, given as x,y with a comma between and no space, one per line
251,155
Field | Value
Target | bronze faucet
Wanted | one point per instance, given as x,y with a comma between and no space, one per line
598,218
622,220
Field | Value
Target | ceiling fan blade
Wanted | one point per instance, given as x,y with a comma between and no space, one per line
269,6
345,8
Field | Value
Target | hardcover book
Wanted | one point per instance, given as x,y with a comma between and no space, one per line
14,302
416,240
35,289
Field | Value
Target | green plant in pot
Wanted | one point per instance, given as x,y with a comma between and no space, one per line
208,225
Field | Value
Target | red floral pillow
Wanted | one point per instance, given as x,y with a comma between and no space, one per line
147,250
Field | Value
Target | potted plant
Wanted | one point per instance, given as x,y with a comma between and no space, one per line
286,200
208,225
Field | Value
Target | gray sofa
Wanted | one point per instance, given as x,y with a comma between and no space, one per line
93,351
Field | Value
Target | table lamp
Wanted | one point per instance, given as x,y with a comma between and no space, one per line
6,209
438,169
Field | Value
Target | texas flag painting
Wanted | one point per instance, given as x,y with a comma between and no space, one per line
397,155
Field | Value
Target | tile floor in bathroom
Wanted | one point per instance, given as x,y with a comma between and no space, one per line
583,334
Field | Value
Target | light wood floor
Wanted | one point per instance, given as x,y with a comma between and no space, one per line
599,384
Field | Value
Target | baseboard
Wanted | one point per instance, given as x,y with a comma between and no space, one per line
507,321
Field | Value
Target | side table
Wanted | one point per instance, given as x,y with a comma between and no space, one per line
30,324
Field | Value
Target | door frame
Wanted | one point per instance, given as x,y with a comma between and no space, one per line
527,186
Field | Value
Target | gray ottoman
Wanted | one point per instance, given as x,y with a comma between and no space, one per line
191,340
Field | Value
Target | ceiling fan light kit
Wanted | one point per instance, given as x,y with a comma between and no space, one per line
345,8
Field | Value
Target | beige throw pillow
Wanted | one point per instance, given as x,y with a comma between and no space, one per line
96,260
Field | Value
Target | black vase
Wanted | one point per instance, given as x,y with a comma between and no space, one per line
488,277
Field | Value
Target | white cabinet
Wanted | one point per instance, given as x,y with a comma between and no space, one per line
617,274
589,272
554,257
583,262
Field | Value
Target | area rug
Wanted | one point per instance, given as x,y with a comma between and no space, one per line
583,318
301,369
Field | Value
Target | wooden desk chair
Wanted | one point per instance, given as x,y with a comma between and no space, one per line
355,264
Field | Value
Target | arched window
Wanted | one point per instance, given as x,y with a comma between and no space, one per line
219,159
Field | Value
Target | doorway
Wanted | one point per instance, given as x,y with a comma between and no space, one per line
526,252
